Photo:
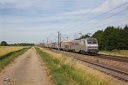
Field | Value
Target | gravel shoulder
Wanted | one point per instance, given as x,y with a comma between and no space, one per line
27,69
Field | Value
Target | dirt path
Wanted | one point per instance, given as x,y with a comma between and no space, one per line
25,70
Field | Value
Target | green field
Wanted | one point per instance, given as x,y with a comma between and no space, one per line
7,49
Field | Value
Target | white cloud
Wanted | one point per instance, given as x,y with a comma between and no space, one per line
39,18
30,4
32,19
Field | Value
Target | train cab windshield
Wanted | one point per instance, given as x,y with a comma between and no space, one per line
91,41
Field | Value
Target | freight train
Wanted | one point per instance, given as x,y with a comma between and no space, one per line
84,46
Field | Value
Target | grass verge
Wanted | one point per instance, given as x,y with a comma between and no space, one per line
6,59
64,72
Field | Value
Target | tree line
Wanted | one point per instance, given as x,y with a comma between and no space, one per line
112,38
4,43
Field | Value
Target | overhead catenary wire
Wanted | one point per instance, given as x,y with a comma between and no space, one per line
117,21
103,29
126,18
84,14
109,11
102,14
97,23
106,18
80,16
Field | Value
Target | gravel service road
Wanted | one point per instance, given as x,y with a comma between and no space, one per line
27,69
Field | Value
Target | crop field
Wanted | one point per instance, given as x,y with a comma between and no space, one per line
9,53
7,49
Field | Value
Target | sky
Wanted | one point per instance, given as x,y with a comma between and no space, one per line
35,21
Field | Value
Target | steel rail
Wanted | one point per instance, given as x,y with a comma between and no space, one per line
109,70
113,57
120,74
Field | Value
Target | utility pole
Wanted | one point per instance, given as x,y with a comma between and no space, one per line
47,42
89,34
67,37
58,40
81,35
75,36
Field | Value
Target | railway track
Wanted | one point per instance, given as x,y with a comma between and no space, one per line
120,74
110,57
109,70
115,58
